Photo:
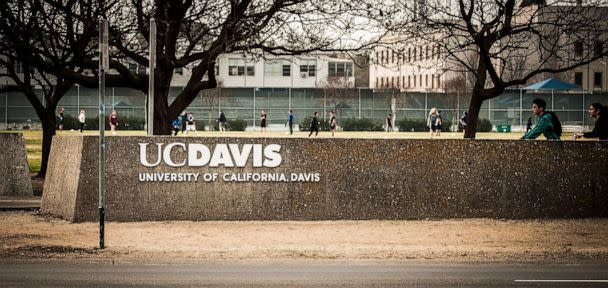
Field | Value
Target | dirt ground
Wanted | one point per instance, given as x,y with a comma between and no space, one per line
28,235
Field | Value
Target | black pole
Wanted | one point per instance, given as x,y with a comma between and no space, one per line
102,217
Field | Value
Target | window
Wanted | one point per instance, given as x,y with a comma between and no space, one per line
426,80
414,80
377,82
409,83
421,55
392,82
340,69
597,80
578,48
432,81
309,67
403,82
578,78
414,54
217,69
438,81
179,71
409,55
277,68
382,82
392,57
377,58
427,53
598,48
236,67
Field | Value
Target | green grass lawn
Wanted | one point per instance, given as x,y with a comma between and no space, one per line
33,139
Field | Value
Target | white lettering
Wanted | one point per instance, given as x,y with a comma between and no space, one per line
240,157
167,154
221,156
198,155
273,158
143,154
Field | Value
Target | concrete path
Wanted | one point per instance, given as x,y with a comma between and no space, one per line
19,203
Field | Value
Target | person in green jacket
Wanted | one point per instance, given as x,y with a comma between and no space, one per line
548,124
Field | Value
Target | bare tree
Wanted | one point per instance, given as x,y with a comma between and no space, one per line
503,34
23,43
192,34
337,91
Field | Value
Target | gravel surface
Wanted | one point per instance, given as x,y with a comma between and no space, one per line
28,235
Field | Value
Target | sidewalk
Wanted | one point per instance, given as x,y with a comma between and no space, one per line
20,203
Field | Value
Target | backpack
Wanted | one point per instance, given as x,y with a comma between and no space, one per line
557,126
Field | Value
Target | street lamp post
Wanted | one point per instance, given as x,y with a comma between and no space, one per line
104,64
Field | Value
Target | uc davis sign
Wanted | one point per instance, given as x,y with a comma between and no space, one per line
165,178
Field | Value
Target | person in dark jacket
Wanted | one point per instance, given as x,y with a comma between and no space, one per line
314,124
600,130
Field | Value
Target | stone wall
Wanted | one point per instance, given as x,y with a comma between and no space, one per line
358,179
14,171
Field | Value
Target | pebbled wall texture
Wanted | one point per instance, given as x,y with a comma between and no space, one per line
14,171
358,179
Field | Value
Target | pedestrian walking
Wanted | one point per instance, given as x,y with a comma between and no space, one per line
175,125
183,119
332,123
314,124
263,121
60,119
113,119
222,121
438,123
432,121
82,120
290,119
388,123
463,120
191,124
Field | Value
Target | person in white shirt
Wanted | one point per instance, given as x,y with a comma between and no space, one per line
81,119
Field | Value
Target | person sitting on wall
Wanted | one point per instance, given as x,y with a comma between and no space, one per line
600,130
548,123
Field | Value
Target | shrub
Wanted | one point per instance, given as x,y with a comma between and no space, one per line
305,124
484,125
408,125
232,125
363,124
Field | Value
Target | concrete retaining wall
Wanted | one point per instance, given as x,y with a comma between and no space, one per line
358,179
14,170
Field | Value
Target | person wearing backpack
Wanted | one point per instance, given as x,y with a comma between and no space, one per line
548,123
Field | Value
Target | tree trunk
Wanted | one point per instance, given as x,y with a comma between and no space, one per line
475,107
48,132
162,119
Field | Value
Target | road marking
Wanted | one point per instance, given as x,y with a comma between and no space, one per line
564,281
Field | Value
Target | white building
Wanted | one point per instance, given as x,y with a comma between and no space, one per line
304,71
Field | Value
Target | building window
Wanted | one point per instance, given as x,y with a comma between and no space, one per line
578,48
409,55
432,81
377,58
381,82
421,55
217,69
598,48
392,82
392,57
420,80
340,69
236,67
179,71
597,80
438,80
403,82
414,81
409,82
426,80
414,54
578,78
427,53
308,67
277,68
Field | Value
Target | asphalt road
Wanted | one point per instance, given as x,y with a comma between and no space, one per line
299,274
